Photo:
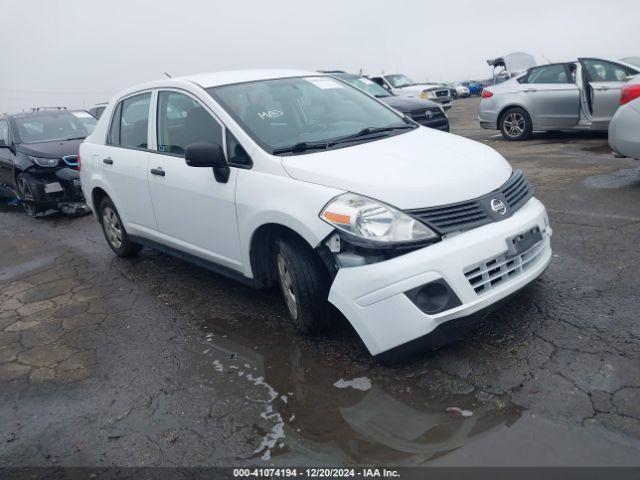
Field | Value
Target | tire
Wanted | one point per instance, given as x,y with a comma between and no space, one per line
114,231
515,124
27,190
304,283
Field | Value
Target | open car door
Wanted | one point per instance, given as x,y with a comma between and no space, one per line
602,81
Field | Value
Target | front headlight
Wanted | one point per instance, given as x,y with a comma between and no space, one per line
44,162
373,221
425,95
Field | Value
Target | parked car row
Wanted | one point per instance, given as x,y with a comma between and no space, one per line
425,112
578,95
323,184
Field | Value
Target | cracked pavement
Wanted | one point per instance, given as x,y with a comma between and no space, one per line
153,361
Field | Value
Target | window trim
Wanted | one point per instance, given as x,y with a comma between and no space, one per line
226,153
107,141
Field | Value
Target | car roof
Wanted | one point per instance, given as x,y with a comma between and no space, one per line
37,113
216,79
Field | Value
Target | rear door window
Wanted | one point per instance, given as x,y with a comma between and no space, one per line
548,74
134,121
114,129
130,122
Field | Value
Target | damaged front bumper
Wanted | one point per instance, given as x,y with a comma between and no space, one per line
59,190
396,303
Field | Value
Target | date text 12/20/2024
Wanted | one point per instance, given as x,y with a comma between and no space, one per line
315,473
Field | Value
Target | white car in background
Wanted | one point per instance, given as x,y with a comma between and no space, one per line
405,87
300,180
624,129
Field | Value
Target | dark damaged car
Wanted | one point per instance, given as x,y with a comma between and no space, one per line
39,159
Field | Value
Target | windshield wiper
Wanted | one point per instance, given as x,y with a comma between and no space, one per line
301,147
74,138
369,131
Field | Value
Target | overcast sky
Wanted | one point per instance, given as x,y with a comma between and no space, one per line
77,52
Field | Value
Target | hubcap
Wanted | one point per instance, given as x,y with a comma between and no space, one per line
287,286
112,228
27,194
514,124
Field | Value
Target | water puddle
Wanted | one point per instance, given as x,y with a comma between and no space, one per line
317,413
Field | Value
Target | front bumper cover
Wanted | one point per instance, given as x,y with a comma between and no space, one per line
372,297
59,190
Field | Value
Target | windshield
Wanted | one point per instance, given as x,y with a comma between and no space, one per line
399,81
365,85
88,121
289,112
50,126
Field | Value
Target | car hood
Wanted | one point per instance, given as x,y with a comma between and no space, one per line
417,169
55,149
404,104
421,87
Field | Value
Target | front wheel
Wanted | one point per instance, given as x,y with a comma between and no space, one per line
27,192
114,231
516,124
304,284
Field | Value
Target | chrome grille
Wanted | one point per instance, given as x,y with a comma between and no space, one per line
442,93
477,212
425,114
488,274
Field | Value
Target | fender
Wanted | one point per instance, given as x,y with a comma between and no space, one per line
263,199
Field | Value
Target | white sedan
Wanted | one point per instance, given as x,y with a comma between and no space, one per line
298,179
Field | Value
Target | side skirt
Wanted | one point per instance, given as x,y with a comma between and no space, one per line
200,262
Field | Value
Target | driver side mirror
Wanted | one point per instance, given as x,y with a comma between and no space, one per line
205,154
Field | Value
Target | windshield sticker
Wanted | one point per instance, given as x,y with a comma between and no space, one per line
270,114
324,83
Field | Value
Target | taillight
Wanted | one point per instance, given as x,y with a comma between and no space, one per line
79,161
629,92
486,93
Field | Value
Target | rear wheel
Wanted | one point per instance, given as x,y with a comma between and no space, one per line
515,124
304,284
27,194
114,231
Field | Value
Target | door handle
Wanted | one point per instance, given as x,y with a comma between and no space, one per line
107,160
158,171
530,90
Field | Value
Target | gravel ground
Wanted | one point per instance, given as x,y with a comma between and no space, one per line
153,361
